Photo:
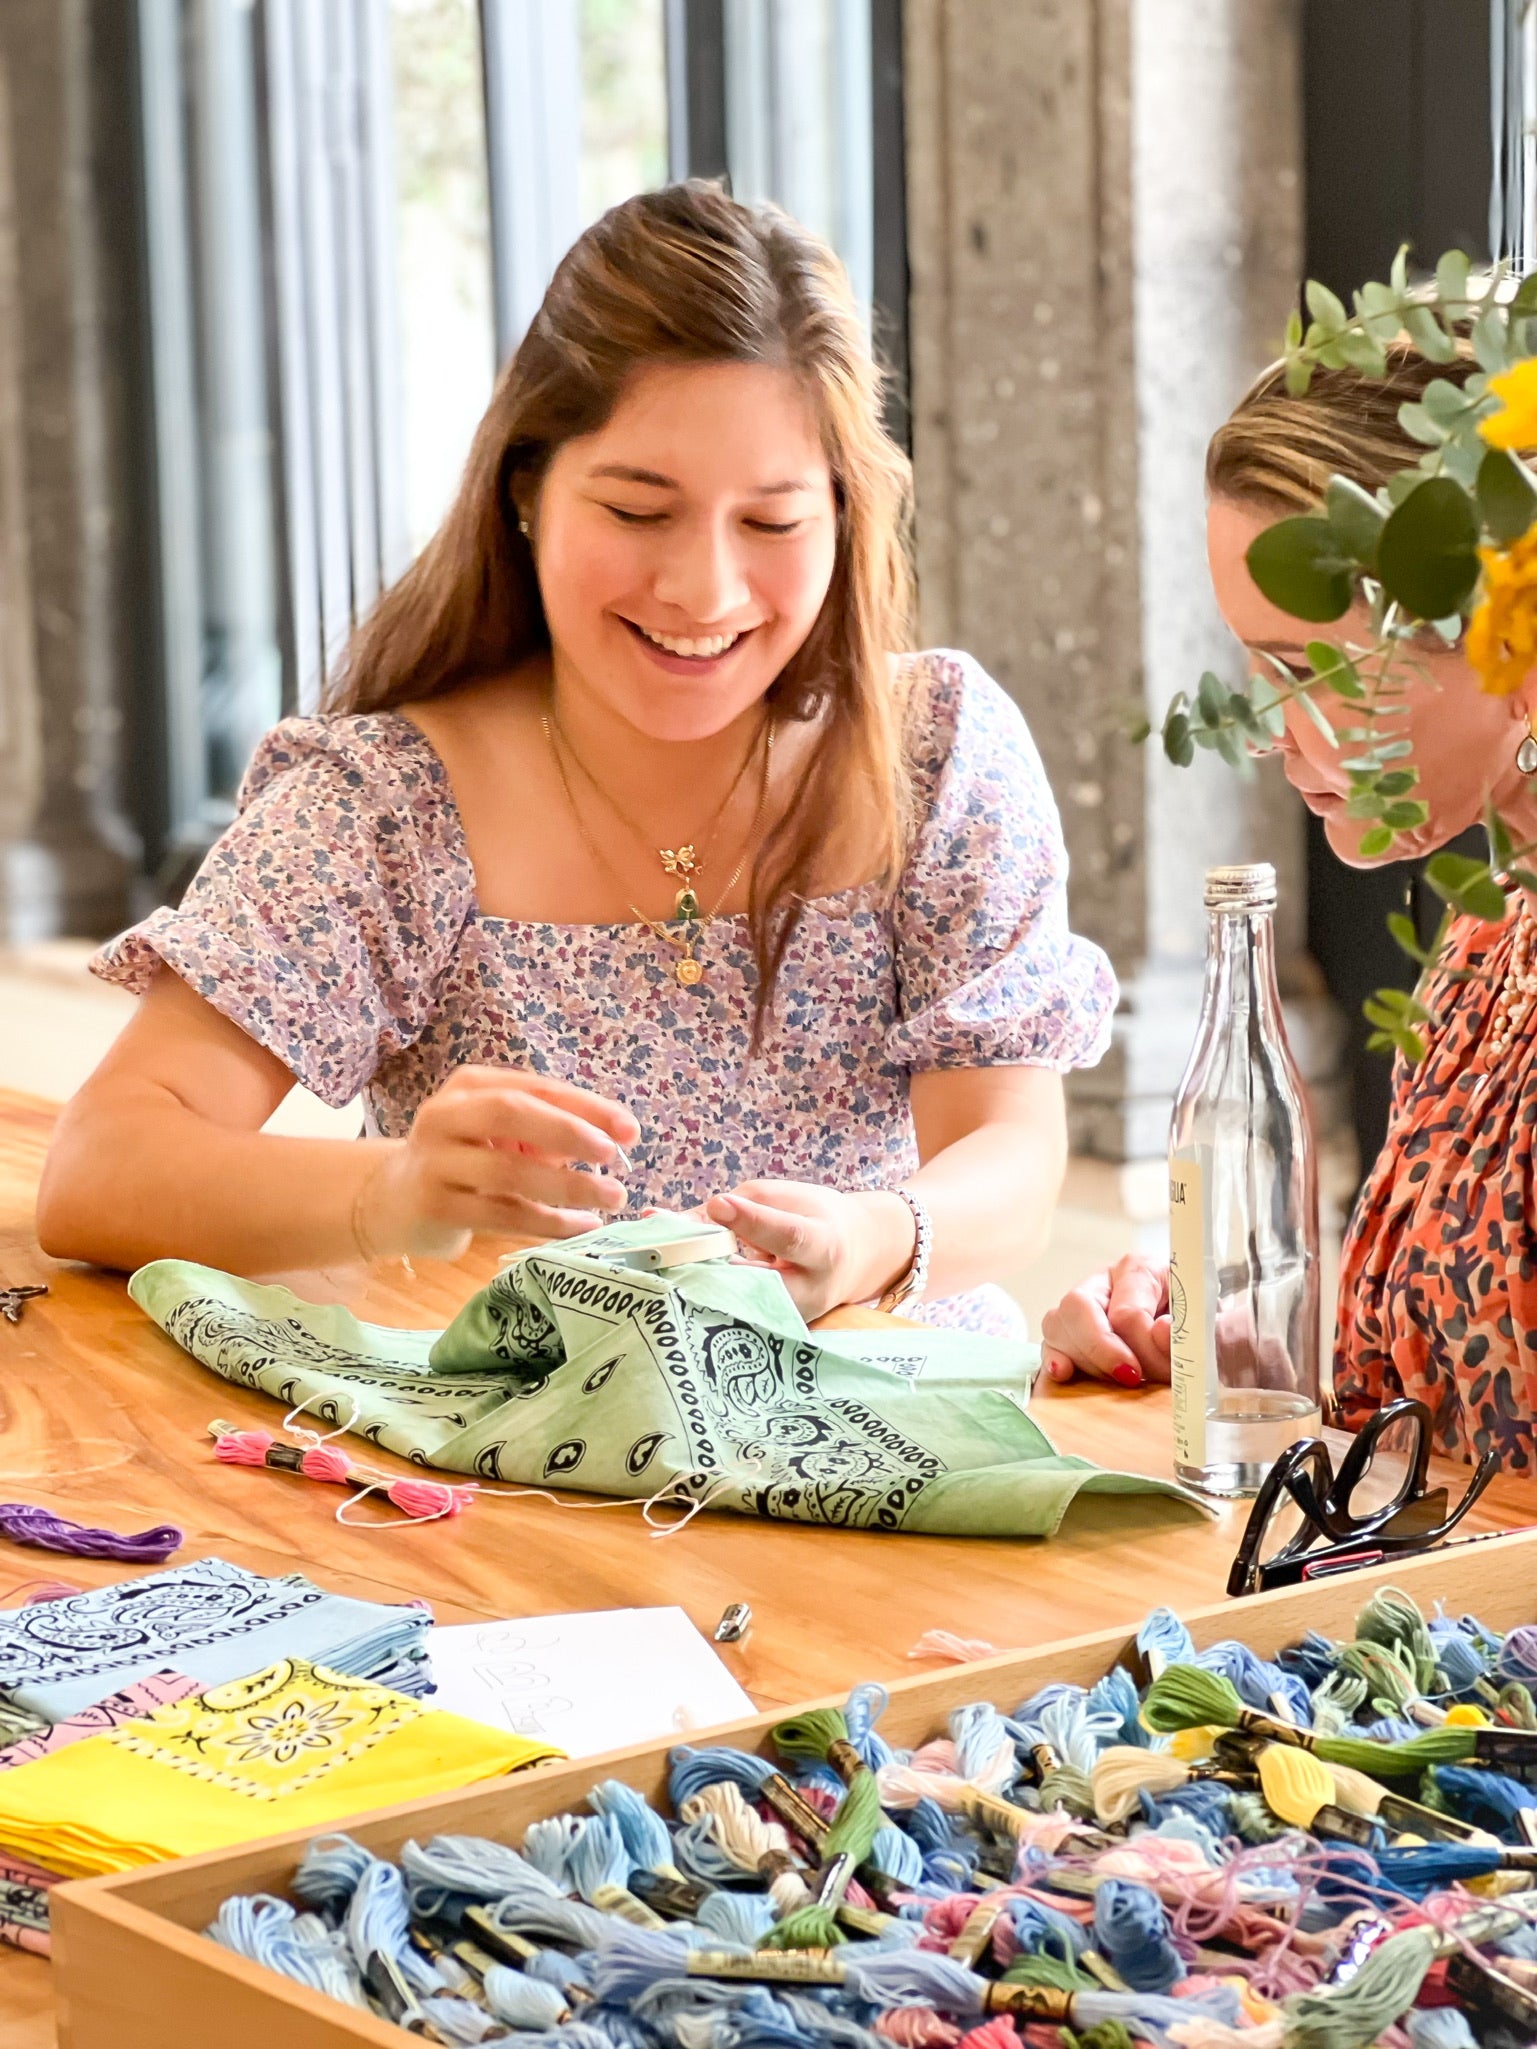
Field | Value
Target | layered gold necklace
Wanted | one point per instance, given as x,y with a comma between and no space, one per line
685,864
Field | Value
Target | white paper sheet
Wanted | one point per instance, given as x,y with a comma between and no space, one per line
586,1683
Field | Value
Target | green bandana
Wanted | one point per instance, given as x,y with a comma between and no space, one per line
572,1370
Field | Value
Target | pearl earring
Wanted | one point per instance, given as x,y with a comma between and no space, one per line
522,526
1526,753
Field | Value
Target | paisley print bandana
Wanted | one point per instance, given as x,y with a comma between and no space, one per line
24,1904
294,1746
574,1371
140,1698
212,1620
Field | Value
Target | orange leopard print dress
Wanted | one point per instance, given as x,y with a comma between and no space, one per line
1438,1286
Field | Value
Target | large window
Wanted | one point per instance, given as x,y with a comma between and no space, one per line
352,209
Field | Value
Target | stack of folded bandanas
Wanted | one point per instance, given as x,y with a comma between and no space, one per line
149,1737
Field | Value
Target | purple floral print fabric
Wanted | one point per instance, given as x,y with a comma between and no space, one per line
336,922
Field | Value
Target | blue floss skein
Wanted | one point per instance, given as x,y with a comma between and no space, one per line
556,1920
521,2001
1116,1694
1258,1684
929,1826
741,1917
329,1871
1046,1931
573,2035
1210,1806
1521,1942
1184,1828
700,1855
459,2021
1438,2027
468,1867
596,1857
568,1973
263,1928
1419,1868
1462,1664
1132,1930
547,1845
1311,1661
1391,1729
643,1829
690,1771
1163,1636
377,1921
1489,1799
978,1733
895,1853
862,1710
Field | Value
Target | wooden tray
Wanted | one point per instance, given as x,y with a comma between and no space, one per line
134,1972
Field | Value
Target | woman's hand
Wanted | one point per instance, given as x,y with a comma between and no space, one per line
502,1151
1116,1326
830,1248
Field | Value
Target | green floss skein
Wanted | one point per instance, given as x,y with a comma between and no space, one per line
1103,2035
1400,1760
1065,1786
1060,1973
810,1738
1392,1619
1352,2016
1516,1702
1186,1697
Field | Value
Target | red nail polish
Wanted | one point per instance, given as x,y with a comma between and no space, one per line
1128,1376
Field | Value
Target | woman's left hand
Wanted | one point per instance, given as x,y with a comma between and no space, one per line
829,1247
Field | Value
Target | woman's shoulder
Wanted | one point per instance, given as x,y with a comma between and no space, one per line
967,738
379,757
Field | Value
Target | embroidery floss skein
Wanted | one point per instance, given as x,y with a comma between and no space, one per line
417,1500
25,1523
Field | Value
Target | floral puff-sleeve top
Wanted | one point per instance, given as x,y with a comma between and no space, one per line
336,922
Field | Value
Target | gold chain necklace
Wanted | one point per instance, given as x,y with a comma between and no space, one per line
688,969
684,862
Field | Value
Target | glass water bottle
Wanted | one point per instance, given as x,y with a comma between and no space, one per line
1243,1211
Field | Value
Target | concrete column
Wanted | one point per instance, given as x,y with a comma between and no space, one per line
67,859
1105,229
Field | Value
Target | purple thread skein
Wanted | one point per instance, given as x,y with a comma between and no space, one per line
25,1524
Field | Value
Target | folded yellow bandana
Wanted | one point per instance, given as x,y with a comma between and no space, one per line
296,1746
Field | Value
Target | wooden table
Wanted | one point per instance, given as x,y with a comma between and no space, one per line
103,1419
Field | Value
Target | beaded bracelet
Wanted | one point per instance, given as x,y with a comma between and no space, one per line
912,1283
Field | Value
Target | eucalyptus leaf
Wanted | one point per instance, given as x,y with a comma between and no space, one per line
1419,426
1445,402
1428,335
1452,278
1326,309
1399,274
1428,555
1490,340
1406,814
1449,873
1177,743
1397,782
1362,351
1211,699
1507,498
1364,804
1525,301
1299,566
1356,517
1377,306
1334,669
1293,338
1402,929
1374,843
1299,375
1461,459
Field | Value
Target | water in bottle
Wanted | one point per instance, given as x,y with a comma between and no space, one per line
1243,1212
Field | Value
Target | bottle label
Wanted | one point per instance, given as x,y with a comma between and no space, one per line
1188,1348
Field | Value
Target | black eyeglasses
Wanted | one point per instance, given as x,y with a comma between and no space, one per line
1337,1531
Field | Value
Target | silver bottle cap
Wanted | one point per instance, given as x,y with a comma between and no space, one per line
1249,886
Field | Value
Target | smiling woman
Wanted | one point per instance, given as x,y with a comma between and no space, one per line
632,829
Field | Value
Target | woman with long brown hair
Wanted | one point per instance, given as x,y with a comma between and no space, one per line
634,860
1438,1284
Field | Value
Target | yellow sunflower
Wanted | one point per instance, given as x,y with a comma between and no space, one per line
1502,633
1515,425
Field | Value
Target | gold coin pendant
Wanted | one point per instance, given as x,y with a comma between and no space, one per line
689,972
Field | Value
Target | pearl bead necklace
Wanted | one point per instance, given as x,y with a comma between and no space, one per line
1517,998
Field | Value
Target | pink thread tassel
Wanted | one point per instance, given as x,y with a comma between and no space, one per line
421,1500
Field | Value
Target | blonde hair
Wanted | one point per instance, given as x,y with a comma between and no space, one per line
686,275
1280,452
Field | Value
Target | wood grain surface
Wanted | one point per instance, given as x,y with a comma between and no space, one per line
103,1419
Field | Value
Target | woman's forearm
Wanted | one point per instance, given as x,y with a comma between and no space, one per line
994,1146
135,1175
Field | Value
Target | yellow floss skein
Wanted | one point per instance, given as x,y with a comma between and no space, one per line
1192,1746
1295,1783
1465,1716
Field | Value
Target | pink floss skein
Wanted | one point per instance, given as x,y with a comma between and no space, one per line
916,2027
419,1500
999,2033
